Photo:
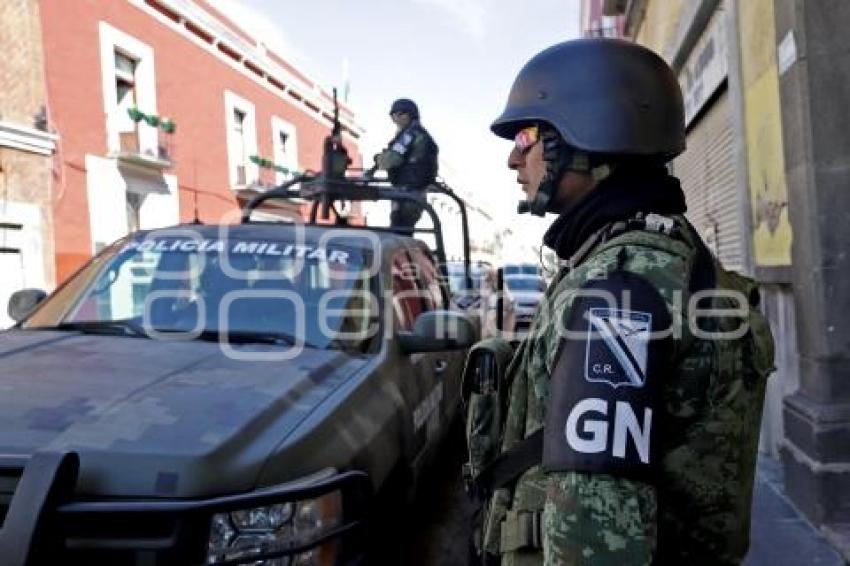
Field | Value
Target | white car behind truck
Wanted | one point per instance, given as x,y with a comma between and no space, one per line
523,293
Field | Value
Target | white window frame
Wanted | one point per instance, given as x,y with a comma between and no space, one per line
25,138
112,39
232,102
291,162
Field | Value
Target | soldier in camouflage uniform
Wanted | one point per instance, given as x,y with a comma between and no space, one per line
632,410
410,161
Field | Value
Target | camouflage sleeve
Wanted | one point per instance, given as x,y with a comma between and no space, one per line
598,519
389,159
396,152
418,147
601,452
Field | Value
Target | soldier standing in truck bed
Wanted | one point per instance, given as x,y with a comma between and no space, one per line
410,161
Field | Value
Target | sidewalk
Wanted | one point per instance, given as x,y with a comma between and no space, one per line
780,536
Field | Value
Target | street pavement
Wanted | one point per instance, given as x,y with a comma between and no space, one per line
442,513
780,535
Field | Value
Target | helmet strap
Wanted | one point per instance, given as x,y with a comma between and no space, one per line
560,158
601,172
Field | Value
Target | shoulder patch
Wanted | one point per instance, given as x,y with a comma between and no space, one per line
604,399
617,346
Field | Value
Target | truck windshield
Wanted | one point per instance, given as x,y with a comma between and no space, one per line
172,285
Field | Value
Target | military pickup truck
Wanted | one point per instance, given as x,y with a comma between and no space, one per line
225,394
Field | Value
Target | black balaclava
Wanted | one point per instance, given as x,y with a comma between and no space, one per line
628,189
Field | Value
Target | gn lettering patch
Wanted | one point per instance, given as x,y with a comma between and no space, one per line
617,347
605,390
591,437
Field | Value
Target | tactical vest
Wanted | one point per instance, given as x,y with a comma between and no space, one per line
713,406
419,153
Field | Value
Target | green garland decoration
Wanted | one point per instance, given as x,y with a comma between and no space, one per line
269,164
167,125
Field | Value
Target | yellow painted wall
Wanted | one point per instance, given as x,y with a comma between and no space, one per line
768,188
658,29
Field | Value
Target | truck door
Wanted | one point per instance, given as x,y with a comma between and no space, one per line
421,386
440,372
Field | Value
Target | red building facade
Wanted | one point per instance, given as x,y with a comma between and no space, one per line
166,112
595,22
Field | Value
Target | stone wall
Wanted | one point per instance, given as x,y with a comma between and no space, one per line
26,176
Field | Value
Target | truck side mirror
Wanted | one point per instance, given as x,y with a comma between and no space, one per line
24,302
437,331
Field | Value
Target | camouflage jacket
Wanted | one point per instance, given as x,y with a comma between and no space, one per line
410,159
698,509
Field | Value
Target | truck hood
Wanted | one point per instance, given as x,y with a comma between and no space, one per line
157,418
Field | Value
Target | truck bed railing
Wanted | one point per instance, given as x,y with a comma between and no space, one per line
324,193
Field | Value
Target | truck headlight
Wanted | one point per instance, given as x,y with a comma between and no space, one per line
269,518
245,533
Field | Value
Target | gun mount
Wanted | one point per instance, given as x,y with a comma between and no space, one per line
339,182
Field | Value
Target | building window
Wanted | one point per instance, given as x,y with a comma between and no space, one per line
241,159
125,93
285,147
129,81
241,140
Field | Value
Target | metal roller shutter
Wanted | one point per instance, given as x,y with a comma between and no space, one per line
707,172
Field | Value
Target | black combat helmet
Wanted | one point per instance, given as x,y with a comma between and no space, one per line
407,106
605,96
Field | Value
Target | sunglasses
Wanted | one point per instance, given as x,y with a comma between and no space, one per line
525,139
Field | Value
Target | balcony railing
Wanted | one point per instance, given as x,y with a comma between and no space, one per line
144,142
